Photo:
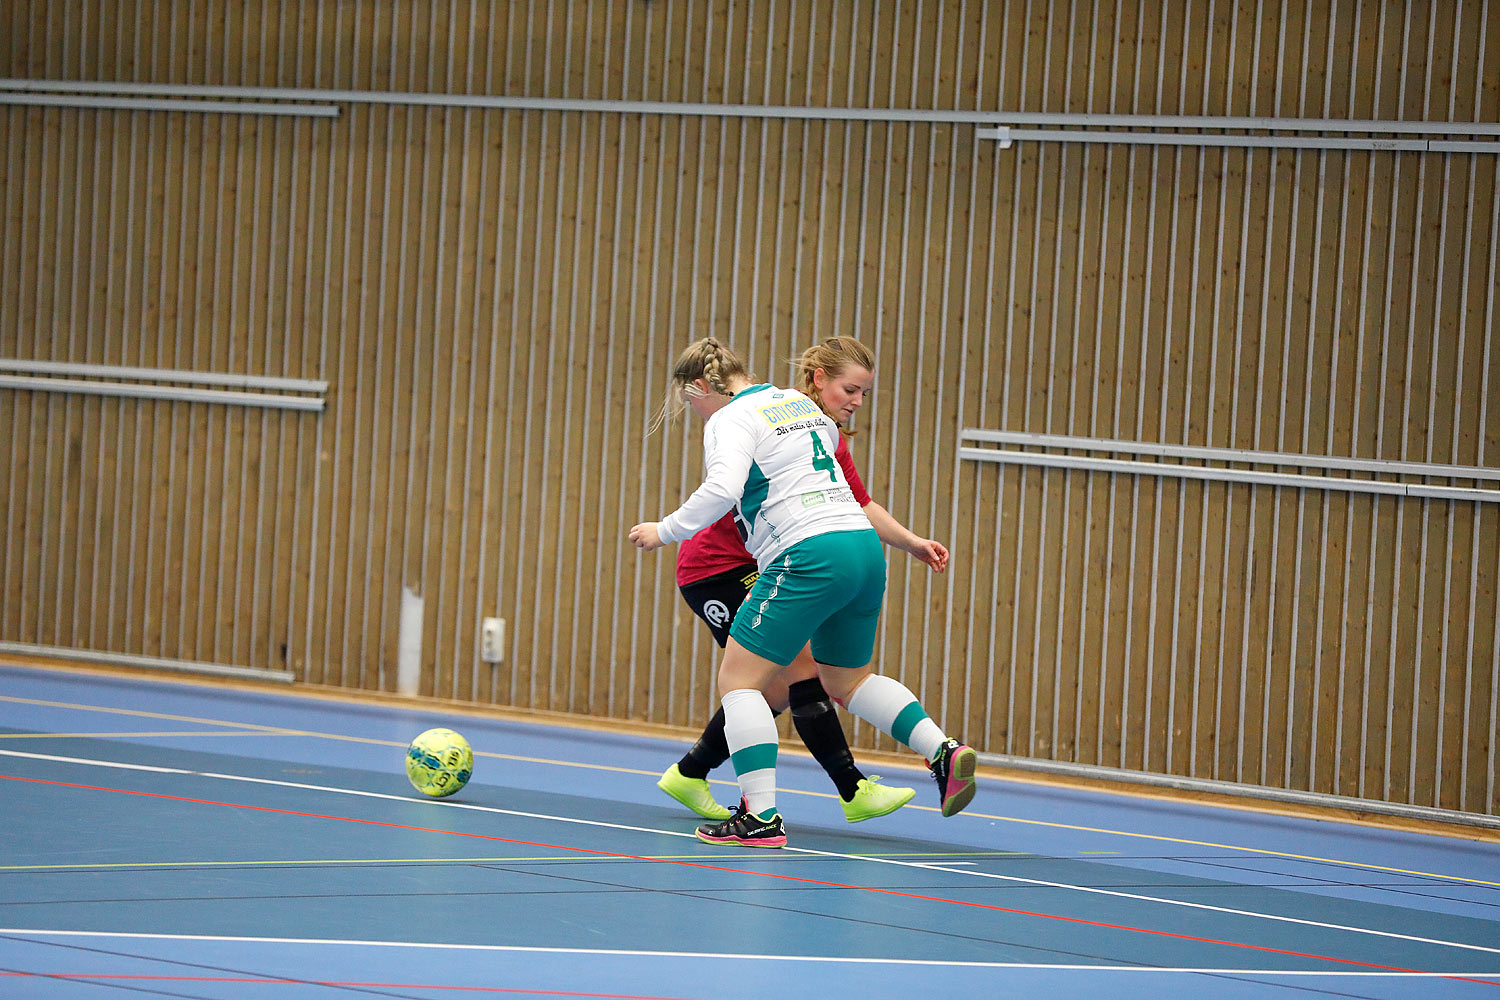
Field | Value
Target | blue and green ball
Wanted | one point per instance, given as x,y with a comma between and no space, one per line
439,762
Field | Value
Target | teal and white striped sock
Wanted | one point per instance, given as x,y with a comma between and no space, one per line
891,707
750,731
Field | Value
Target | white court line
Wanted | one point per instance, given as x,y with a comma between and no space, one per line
926,866
449,804
971,814
717,956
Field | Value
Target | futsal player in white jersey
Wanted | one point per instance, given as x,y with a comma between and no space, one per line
768,453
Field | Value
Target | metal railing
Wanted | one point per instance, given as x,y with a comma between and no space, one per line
43,377
1223,473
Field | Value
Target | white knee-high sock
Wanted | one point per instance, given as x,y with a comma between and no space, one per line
750,731
891,707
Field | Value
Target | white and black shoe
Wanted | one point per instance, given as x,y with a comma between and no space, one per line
745,829
953,768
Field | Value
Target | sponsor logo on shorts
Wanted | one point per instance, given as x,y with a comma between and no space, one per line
716,612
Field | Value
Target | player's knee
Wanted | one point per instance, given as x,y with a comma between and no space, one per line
841,682
807,699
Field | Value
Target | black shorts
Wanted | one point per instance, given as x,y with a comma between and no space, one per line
715,599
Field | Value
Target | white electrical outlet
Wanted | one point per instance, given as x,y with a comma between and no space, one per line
492,640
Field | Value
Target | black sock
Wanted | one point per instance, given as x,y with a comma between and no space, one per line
711,750
818,725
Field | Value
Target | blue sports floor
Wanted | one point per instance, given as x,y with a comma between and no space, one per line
181,839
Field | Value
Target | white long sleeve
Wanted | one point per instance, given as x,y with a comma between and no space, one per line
727,454
769,454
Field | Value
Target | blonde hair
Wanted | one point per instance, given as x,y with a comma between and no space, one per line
835,356
706,359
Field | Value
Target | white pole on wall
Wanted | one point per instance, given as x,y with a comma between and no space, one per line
236,380
1006,136
29,650
170,104
174,392
409,644
1196,124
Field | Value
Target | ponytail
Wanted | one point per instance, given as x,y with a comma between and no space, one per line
835,356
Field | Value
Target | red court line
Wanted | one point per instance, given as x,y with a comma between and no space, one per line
741,871
90,976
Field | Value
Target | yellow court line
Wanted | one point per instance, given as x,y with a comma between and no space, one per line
970,814
1232,847
370,741
119,735
417,861
283,731
139,714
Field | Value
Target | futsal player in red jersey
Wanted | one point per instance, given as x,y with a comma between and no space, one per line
715,573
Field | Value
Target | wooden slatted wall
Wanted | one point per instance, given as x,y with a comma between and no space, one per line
495,296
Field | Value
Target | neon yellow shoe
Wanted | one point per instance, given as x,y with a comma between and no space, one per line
693,793
873,799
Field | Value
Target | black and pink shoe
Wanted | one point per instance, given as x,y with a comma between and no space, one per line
953,768
745,829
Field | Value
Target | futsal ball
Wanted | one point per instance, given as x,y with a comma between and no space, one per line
439,762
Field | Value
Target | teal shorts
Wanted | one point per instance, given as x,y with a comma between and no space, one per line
826,589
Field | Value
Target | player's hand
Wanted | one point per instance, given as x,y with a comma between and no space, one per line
932,553
644,536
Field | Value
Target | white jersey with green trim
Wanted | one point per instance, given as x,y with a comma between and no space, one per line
769,453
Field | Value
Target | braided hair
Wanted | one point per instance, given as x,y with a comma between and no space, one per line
707,359
716,359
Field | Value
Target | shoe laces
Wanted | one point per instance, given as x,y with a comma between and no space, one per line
939,762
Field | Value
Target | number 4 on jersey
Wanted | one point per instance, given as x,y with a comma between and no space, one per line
821,459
